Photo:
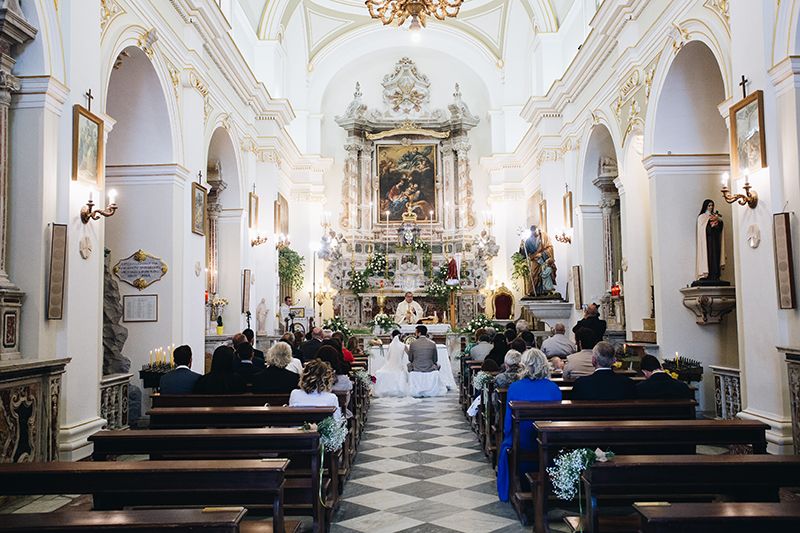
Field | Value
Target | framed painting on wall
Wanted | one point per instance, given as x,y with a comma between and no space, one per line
748,140
87,146
577,287
784,262
252,210
543,215
567,201
281,216
199,199
406,176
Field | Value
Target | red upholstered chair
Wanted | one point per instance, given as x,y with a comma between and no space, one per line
502,304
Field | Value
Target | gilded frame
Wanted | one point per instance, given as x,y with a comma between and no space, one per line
567,204
252,210
543,215
85,140
388,160
199,207
754,103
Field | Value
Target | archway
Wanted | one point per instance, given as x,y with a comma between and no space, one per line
690,146
139,166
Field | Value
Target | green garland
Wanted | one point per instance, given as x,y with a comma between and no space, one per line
290,268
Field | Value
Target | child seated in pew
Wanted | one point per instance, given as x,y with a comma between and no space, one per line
533,386
316,383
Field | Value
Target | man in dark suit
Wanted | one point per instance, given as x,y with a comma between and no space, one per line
309,349
591,320
659,385
604,383
181,380
246,368
258,355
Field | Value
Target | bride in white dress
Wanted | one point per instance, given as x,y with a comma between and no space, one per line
392,378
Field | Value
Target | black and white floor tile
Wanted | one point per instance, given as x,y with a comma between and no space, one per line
420,469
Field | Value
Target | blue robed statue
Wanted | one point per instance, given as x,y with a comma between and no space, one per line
538,251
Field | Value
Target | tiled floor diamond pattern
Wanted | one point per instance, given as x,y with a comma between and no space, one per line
420,470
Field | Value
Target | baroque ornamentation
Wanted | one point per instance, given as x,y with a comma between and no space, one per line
389,11
679,37
175,78
721,8
631,83
146,42
109,10
648,82
709,304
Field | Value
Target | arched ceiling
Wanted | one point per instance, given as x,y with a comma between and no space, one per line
327,21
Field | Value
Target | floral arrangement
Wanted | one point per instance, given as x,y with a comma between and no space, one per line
358,282
337,324
362,376
568,467
481,379
383,321
377,264
417,245
480,321
332,432
290,268
437,289
219,302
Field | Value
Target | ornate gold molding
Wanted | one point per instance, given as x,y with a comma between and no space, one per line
175,77
408,128
680,37
109,10
721,8
146,41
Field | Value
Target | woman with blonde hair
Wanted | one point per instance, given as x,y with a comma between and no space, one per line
276,378
316,383
534,385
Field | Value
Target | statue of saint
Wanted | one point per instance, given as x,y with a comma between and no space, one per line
261,316
710,246
538,250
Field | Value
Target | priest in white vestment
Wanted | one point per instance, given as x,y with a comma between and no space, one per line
408,311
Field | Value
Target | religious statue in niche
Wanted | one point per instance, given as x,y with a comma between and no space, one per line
406,175
538,252
710,247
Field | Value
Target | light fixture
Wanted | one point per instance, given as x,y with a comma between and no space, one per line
749,198
258,241
88,212
563,238
398,11
282,241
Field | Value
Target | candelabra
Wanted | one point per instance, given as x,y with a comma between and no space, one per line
258,241
88,212
563,238
749,198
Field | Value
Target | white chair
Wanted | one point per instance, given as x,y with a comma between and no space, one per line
426,384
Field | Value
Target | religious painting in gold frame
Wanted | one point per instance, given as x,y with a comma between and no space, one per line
199,199
406,176
543,215
281,216
252,210
748,138
87,146
567,204
577,287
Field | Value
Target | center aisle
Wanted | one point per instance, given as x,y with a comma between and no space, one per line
420,469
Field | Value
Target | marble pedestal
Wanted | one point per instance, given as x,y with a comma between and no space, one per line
548,311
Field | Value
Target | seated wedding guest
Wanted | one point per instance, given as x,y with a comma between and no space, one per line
511,326
510,335
221,379
355,347
529,338
327,334
580,363
534,385
258,355
336,345
333,357
482,349
517,344
591,320
277,378
604,383
309,349
499,349
246,367
315,388
559,344
295,365
237,339
476,338
511,372
489,365
659,385
556,363
346,354
181,379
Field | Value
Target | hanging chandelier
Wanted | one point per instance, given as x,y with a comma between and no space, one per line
390,11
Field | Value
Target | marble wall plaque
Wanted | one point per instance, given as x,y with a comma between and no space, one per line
140,269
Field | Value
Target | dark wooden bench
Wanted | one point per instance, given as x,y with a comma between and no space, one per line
718,517
231,417
300,447
661,437
521,499
114,486
208,520
744,478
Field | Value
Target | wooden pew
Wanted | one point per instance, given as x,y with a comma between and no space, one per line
231,417
748,478
300,447
662,437
718,517
114,486
581,410
208,520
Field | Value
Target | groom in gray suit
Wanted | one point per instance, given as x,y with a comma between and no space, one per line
422,354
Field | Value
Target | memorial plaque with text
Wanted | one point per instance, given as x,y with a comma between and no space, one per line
140,269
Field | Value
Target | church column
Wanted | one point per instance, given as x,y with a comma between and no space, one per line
352,171
448,199
365,184
216,185
608,200
465,217
265,257
14,30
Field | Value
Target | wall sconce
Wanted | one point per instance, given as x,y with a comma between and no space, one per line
258,241
563,238
324,294
749,198
282,241
88,212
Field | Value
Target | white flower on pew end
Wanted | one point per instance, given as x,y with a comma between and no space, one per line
601,456
481,379
567,468
364,377
332,432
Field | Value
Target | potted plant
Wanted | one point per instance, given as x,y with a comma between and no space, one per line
220,327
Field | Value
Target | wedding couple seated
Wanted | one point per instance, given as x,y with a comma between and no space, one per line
410,371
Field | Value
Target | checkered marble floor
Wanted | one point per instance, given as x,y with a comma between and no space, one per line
420,469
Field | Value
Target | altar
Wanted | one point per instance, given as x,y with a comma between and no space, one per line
407,221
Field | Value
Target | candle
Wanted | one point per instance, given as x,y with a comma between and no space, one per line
151,357
387,245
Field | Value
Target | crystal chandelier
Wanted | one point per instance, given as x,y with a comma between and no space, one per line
389,11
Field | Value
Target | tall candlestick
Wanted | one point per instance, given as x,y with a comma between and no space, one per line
430,217
387,245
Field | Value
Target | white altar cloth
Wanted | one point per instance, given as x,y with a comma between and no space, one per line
378,354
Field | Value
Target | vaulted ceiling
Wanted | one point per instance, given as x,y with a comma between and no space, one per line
327,21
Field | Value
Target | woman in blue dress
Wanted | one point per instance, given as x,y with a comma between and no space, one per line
534,386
